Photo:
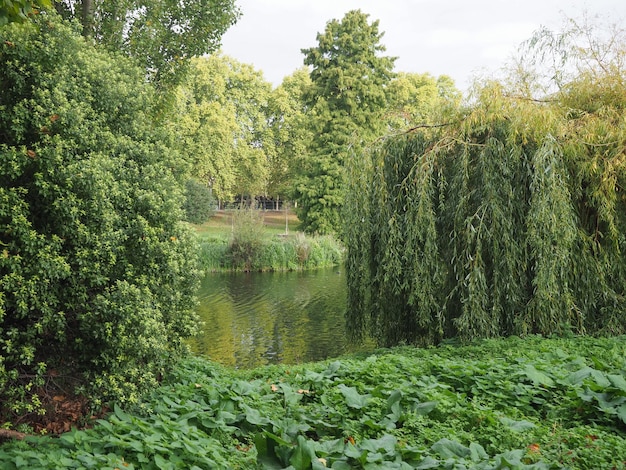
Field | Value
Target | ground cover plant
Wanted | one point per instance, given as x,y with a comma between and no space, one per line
499,403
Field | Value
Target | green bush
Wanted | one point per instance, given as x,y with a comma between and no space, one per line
247,239
199,203
97,272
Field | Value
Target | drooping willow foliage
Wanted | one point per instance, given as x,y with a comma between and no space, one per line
511,221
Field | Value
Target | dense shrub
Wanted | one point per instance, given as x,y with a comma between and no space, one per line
96,270
199,203
247,239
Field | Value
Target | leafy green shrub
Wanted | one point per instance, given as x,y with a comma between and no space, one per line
531,403
96,270
324,251
199,203
302,248
247,239
213,253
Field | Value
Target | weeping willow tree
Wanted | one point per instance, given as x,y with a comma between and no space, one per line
510,221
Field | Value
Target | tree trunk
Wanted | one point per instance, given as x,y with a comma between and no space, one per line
87,18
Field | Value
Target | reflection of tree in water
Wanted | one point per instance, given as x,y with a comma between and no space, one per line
261,318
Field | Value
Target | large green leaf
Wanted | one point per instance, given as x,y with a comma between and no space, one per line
353,398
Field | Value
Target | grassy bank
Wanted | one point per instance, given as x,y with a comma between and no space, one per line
511,403
262,241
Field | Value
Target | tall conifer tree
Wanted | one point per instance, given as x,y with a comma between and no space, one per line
346,100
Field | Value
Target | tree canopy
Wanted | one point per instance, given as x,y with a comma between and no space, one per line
508,220
345,102
221,123
160,35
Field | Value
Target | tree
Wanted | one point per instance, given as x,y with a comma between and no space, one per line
507,220
160,35
420,99
220,120
291,136
204,125
97,273
345,105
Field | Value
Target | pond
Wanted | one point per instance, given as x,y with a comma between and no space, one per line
255,319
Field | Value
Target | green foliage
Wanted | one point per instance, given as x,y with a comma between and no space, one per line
20,10
291,135
507,220
524,404
220,120
251,249
420,99
160,35
346,101
246,239
199,203
97,272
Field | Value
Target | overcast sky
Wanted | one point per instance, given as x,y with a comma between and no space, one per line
459,38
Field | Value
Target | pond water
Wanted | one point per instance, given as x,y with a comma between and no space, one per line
254,319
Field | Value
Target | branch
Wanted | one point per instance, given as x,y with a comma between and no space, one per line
10,434
432,126
529,98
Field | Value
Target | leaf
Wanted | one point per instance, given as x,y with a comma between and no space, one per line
510,459
387,444
353,398
120,414
303,455
341,465
161,463
618,382
450,449
600,378
265,443
427,463
422,409
576,378
517,426
477,452
538,377
334,446
254,416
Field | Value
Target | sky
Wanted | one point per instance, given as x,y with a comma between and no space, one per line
459,38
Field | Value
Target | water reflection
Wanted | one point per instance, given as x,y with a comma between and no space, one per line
253,319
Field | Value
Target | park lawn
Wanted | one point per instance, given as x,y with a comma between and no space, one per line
495,404
221,224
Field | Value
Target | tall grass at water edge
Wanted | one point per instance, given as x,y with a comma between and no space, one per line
263,241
